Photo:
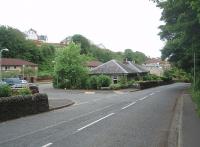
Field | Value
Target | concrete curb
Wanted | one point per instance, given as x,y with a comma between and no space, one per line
59,107
175,131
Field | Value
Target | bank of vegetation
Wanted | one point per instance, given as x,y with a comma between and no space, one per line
181,32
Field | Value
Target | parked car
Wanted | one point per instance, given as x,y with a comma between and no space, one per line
16,83
24,82
2,82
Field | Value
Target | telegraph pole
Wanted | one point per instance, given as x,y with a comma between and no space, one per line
194,69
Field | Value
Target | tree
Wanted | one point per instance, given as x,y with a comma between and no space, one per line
83,41
70,70
181,32
137,57
18,46
47,55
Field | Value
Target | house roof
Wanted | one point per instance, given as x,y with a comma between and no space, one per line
15,62
136,67
115,67
93,63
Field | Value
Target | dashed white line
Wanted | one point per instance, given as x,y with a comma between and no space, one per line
143,98
80,129
48,144
54,125
152,93
128,105
81,103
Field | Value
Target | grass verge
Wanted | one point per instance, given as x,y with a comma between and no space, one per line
196,99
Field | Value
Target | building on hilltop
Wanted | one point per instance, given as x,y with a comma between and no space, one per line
32,35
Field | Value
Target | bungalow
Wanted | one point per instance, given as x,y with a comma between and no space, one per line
115,70
19,66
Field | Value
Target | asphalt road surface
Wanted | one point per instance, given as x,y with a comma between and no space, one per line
130,119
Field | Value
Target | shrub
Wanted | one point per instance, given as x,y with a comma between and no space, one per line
104,81
130,83
5,90
24,91
151,77
115,86
123,81
93,82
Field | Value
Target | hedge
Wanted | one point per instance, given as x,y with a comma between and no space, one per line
149,84
17,106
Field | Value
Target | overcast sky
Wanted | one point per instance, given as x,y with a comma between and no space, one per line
117,24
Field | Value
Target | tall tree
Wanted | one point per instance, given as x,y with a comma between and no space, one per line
69,70
83,41
18,46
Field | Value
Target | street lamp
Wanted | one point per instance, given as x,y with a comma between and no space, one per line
5,49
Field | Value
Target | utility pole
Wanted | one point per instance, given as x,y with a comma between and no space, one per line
194,69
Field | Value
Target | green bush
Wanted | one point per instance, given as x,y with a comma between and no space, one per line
123,81
24,91
115,86
93,82
104,81
151,77
130,83
5,91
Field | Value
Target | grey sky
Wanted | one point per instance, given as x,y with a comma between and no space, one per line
118,24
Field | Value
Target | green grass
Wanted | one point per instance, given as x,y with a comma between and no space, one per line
196,99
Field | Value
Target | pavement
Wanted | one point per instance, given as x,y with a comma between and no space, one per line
190,124
59,103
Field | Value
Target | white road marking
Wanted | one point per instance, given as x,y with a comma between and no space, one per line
46,145
89,92
54,125
128,105
80,129
152,93
81,103
143,98
157,91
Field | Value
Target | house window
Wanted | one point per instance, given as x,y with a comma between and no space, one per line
115,79
15,67
7,67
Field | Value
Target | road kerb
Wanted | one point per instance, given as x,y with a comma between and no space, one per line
175,131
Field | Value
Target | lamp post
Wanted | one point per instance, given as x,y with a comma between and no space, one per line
56,75
23,70
5,49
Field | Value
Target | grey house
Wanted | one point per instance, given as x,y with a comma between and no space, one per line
116,69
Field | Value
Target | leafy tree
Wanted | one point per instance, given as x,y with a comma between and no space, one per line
69,70
128,54
83,41
138,57
181,32
18,46
47,55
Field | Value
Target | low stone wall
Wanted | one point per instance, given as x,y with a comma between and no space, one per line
149,84
18,106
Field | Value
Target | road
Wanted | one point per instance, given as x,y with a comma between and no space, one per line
130,119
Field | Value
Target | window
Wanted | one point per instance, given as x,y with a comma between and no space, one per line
115,79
